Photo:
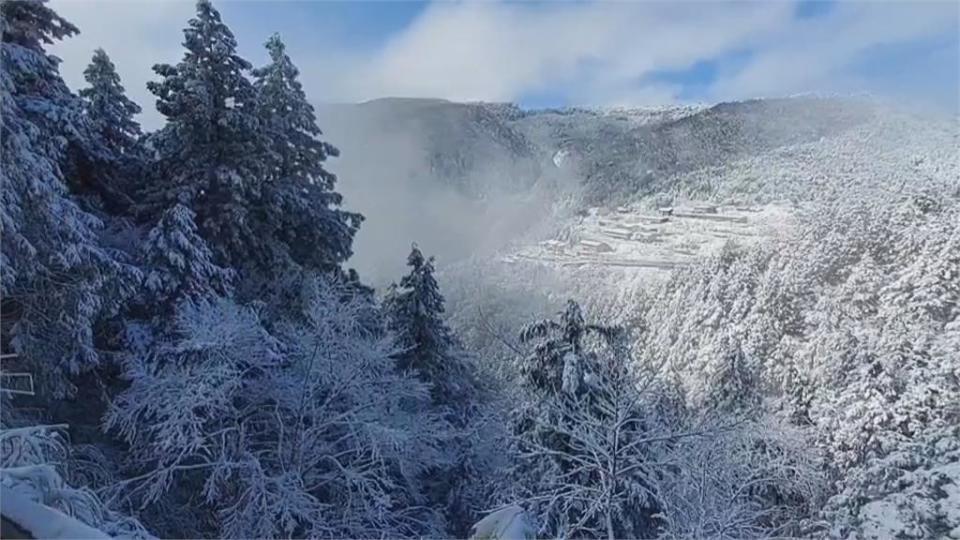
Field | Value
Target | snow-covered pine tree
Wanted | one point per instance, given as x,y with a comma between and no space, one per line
426,346
414,312
556,364
109,113
300,206
57,280
210,153
178,265
107,105
583,439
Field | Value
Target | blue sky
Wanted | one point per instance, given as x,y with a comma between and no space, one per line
548,54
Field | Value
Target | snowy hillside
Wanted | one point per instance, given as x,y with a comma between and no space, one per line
620,154
514,178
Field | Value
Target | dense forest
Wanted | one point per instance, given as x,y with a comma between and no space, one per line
187,352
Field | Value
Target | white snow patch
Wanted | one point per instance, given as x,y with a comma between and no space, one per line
42,521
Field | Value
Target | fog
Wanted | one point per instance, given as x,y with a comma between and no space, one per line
385,172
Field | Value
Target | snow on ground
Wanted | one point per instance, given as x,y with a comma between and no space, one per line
42,521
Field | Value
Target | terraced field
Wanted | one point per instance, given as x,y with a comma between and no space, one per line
659,240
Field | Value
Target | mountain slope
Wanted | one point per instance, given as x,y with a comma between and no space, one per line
461,178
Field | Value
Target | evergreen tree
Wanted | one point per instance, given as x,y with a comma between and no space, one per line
108,107
582,439
414,313
57,280
299,202
558,359
178,263
426,346
109,113
210,151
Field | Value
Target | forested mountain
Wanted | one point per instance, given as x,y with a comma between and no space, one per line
619,154
188,352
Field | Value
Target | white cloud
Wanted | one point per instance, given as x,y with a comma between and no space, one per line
591,52
496,51
815,55
599,53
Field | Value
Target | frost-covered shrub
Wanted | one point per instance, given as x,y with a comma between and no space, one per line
312,433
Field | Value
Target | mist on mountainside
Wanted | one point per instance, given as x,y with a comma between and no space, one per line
440,176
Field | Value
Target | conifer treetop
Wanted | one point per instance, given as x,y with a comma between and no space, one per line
107,105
